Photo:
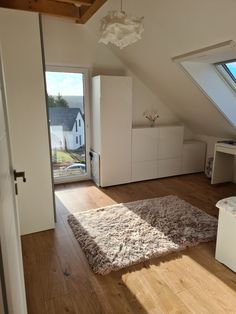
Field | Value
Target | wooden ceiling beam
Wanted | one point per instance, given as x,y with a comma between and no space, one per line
86,13
77,3
78,10
44,7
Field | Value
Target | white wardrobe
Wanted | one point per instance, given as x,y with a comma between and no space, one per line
111,127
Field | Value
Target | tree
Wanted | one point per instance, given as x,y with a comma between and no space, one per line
51,101
58,101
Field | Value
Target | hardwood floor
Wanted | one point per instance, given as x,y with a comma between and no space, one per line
58,279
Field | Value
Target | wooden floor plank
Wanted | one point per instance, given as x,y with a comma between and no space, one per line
58,278
64,305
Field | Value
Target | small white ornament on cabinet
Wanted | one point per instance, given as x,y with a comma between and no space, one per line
151,115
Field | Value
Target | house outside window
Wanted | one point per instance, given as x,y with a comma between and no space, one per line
76,126
79,123
76,139
80,140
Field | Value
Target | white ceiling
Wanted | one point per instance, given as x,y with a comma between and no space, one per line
174,28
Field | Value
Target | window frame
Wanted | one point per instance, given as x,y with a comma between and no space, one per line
226,74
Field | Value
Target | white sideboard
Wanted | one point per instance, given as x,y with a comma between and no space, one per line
162,152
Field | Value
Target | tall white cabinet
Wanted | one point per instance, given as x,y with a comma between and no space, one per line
112,127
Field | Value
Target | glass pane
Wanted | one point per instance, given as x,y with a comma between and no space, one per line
231,66
67,123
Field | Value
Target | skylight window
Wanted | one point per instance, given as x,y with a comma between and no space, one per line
215,77
228,71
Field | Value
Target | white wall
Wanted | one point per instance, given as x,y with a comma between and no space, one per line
67,43
144,99
25,95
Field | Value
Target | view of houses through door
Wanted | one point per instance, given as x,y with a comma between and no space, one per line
68,122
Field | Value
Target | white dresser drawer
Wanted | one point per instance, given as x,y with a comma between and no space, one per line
144,170
170,142
144,144
169,167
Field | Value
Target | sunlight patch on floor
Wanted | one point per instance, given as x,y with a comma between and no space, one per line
78,199
180,275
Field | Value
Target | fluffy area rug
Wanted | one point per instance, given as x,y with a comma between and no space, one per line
121,235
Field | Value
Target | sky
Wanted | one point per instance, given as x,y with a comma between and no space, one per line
65,84
232,68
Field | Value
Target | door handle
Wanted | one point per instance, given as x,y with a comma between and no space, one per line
19,174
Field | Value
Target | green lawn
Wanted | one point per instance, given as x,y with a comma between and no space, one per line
63,157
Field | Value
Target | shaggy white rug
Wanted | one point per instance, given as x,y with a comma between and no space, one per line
121,235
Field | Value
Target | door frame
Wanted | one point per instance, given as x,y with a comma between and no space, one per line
85,72
3,294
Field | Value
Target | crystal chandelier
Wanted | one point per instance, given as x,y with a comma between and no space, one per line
120,29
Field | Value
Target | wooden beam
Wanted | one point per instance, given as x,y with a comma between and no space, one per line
86,13
78,10
44,7
77,3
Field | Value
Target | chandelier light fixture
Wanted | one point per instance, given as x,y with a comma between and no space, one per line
120,29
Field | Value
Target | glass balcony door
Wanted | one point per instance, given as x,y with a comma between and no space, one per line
68,123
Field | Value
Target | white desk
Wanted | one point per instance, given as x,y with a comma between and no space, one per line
223,165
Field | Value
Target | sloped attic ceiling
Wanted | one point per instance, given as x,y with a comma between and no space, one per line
173,28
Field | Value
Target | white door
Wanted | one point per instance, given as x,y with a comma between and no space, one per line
9,222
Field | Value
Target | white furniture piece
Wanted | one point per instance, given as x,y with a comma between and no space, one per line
144,153
111,127
194,156
170,150
223,164
226,234
156,152
161,152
